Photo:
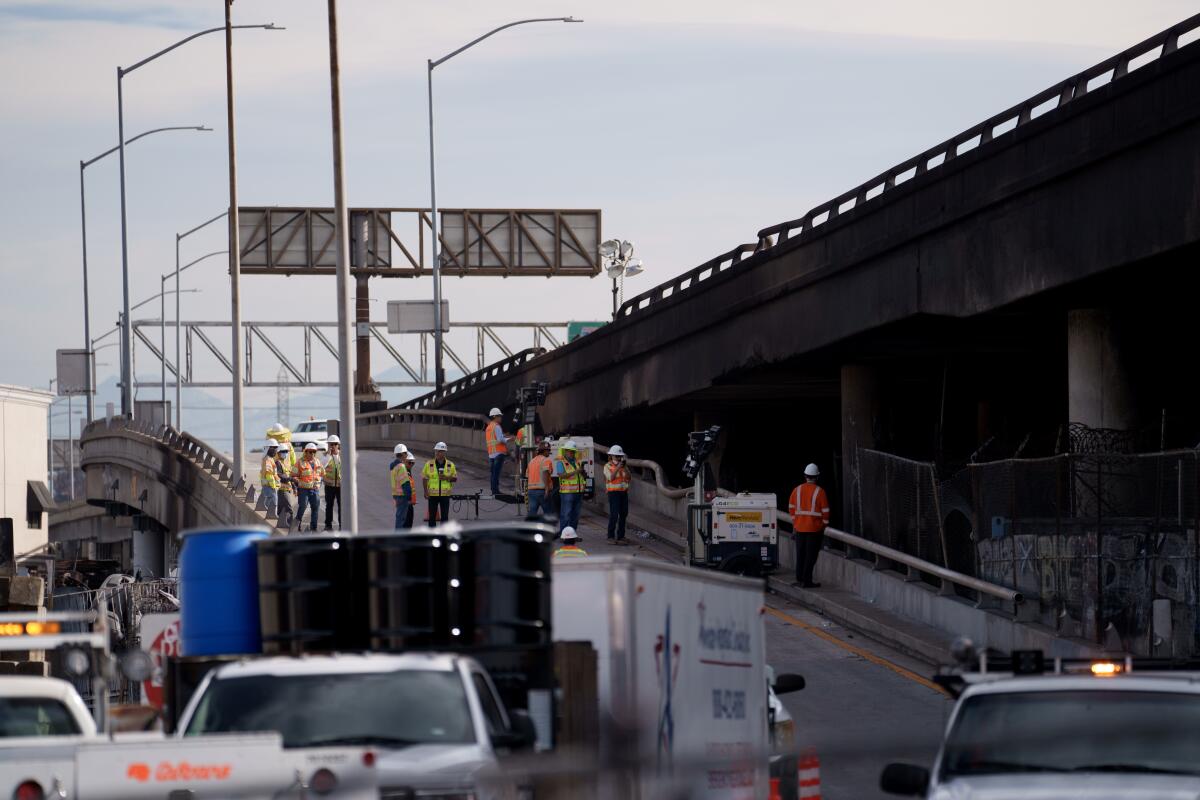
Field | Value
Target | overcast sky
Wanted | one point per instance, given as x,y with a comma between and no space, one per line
690,123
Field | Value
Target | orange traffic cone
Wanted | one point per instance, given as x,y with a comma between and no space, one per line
809,774
775,793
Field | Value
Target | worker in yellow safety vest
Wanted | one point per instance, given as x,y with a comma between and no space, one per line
568,471
570,548
401,488
287,484
809,507
308,473
537,479
497,448
268,476
333,481
437,479
616,483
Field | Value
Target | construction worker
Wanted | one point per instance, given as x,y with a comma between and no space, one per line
437,479
287,484
809,507
308,472
497,448
268,475
570,548
280,433
537,478
401,490
410,464
571,482
333,481
616,482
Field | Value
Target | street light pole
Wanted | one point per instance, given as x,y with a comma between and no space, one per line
179,237
127,344
438,374
87,328
235,260
346,426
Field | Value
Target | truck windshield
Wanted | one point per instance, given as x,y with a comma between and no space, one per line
1075,731
35,716
311,427
387,709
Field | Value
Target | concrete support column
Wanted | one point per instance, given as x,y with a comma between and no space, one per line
1099,390
861,402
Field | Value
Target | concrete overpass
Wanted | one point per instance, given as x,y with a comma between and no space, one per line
983,290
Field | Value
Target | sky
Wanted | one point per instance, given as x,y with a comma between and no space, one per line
690,124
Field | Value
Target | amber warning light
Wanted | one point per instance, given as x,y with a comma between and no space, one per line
30,628
1104,669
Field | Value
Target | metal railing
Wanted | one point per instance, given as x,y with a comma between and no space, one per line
475,378
454,419
1043,103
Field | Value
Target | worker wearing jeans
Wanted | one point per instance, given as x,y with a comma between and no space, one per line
616,481
571,481
401,490
308,473
537,479
497,448
333,482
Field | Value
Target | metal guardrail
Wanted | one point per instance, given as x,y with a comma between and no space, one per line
207,457
454,419
977,136
468,381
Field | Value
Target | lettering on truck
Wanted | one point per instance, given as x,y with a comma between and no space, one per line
167,772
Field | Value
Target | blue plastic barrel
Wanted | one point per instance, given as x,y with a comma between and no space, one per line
218,591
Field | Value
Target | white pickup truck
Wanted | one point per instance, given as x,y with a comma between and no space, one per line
435,719
1101,732
49,748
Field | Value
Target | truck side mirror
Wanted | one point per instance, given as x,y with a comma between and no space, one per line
788,682
904,779
521,734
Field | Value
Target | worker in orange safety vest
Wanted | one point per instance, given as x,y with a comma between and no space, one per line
537,479
809,507
616,484
497,448
308,473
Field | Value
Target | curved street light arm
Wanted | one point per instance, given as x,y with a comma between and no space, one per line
202,225
194,263
474,42
270,26
114,149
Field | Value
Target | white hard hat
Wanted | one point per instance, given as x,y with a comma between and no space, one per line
616,450
408,456
269,444
333,439
277,428
398,449
570,445
812,470
310,446
495,412
285,446
569,534
440,446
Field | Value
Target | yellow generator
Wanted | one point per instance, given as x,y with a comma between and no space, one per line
735,534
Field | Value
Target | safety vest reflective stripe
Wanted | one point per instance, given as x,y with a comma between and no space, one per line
267,474
571,479
495,445
810,508
439,484
569,551
399,475
308,473
617,479
333,471
535,474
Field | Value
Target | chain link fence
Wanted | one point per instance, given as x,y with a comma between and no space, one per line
1105,541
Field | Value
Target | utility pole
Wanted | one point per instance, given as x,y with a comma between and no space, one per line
346,353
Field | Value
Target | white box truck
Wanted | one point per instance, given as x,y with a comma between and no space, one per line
681,671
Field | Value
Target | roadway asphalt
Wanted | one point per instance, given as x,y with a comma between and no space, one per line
864,704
